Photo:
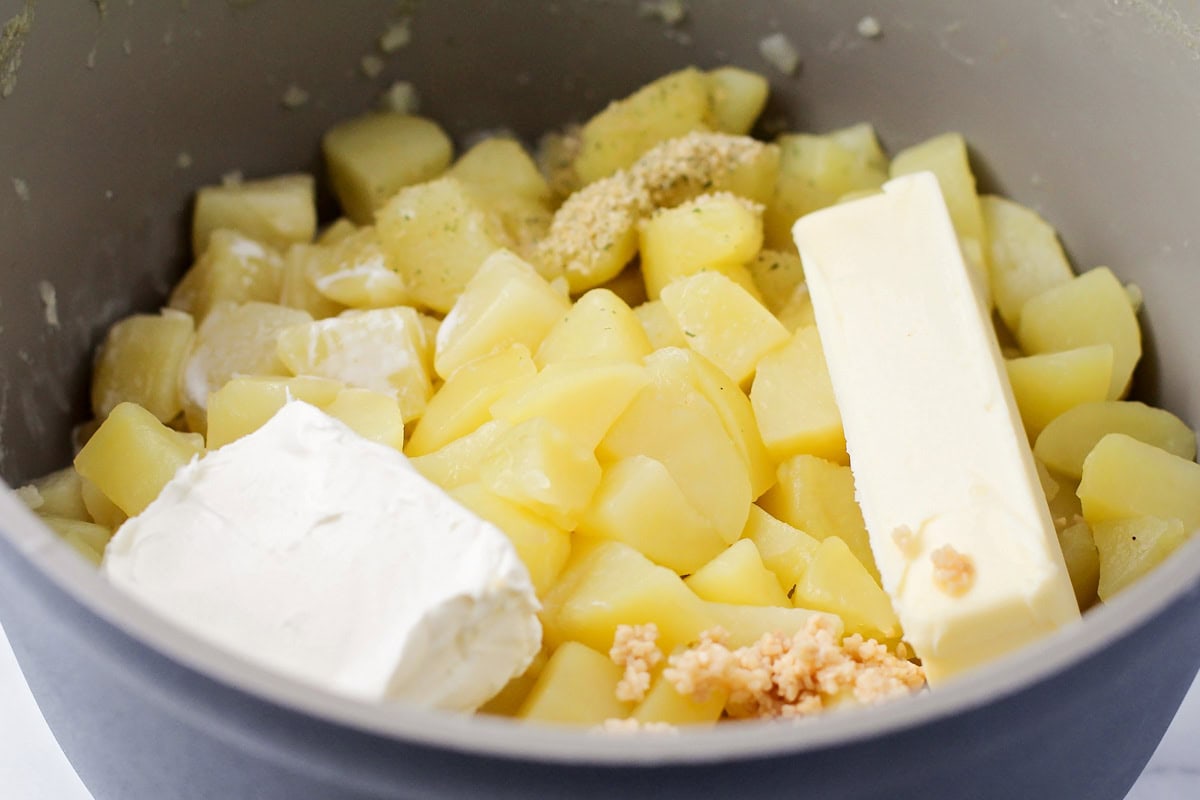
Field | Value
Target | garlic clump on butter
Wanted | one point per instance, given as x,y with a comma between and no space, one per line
312,551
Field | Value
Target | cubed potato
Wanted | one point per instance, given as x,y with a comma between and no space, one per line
1047,385
599,327
243,405
594,234
337,230
88,538
372,157
356,272
276,211
437,235
817,496
505,303
737,576
61,495
836,581
370,414
1066,441
581,398
539,467
754,177
465,399
233,269
776,273
1083,561
793,401
1090,309
233,340
1130,548
660,328
798,312
140,361
662,109
747,624
101,510
543,548
617,585
509,699
1124,477
663,704
132,455
784,550
508,183
381,350
1026,258
297,291
670,421
712,232
628,286
814,171
457,463
578,686
737,96
723,323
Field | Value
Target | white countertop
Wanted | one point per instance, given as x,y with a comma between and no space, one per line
33,768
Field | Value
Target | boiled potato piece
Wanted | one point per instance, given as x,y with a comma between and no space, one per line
1129,548
87,538
723,323
1048,385
140,362
777,274
356,272
508,183
276,211
539,467
798,312
465,399
784,550
1066,442
505,303
663,704
662,109
578,686
132,455
836,581
295,288
233,269
61,495
628,286
737,576
510,698
1090,309
457,463
372,157
1025,256
747,624
338,230
660,327
738,96
543,548
1124,477
102,511
793,401
640,504
599,327
712,232
1083,561
243,405
370,414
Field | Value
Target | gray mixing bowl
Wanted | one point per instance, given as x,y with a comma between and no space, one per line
1086,109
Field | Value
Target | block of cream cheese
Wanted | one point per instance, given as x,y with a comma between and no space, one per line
944,474
312,551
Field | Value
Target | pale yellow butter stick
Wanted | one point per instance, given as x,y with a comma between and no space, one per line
957,520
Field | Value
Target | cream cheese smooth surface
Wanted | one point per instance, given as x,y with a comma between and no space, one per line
939,456
312,551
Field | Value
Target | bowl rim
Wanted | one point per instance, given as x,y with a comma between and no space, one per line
508,739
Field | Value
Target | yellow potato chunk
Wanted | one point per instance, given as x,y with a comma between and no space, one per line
1130,548
599,327
381,350
140,361
836,581
457,463
508,701
594,233
663,704
660,328
1124,477
543,548
505,303
723,322
370,414
438,235
1048,385
628,286
233,269
663,109
1083,561
101,510
507,182
132,455
297,291
372,157
747,624
738,96
817,496
581,398
1026,257
60,495
356,272
276,211
538,466
776,273
465,399
87,538
1066,442
578,686
338,230
737,576
798,312
784,550
1090,309
793,401
712,232
243,405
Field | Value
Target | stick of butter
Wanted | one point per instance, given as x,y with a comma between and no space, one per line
958,523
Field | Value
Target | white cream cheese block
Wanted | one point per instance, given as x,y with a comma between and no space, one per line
310,550
957,520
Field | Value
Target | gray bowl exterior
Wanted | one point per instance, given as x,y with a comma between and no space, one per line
1087,111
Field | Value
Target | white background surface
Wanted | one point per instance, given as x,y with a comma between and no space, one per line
33,768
